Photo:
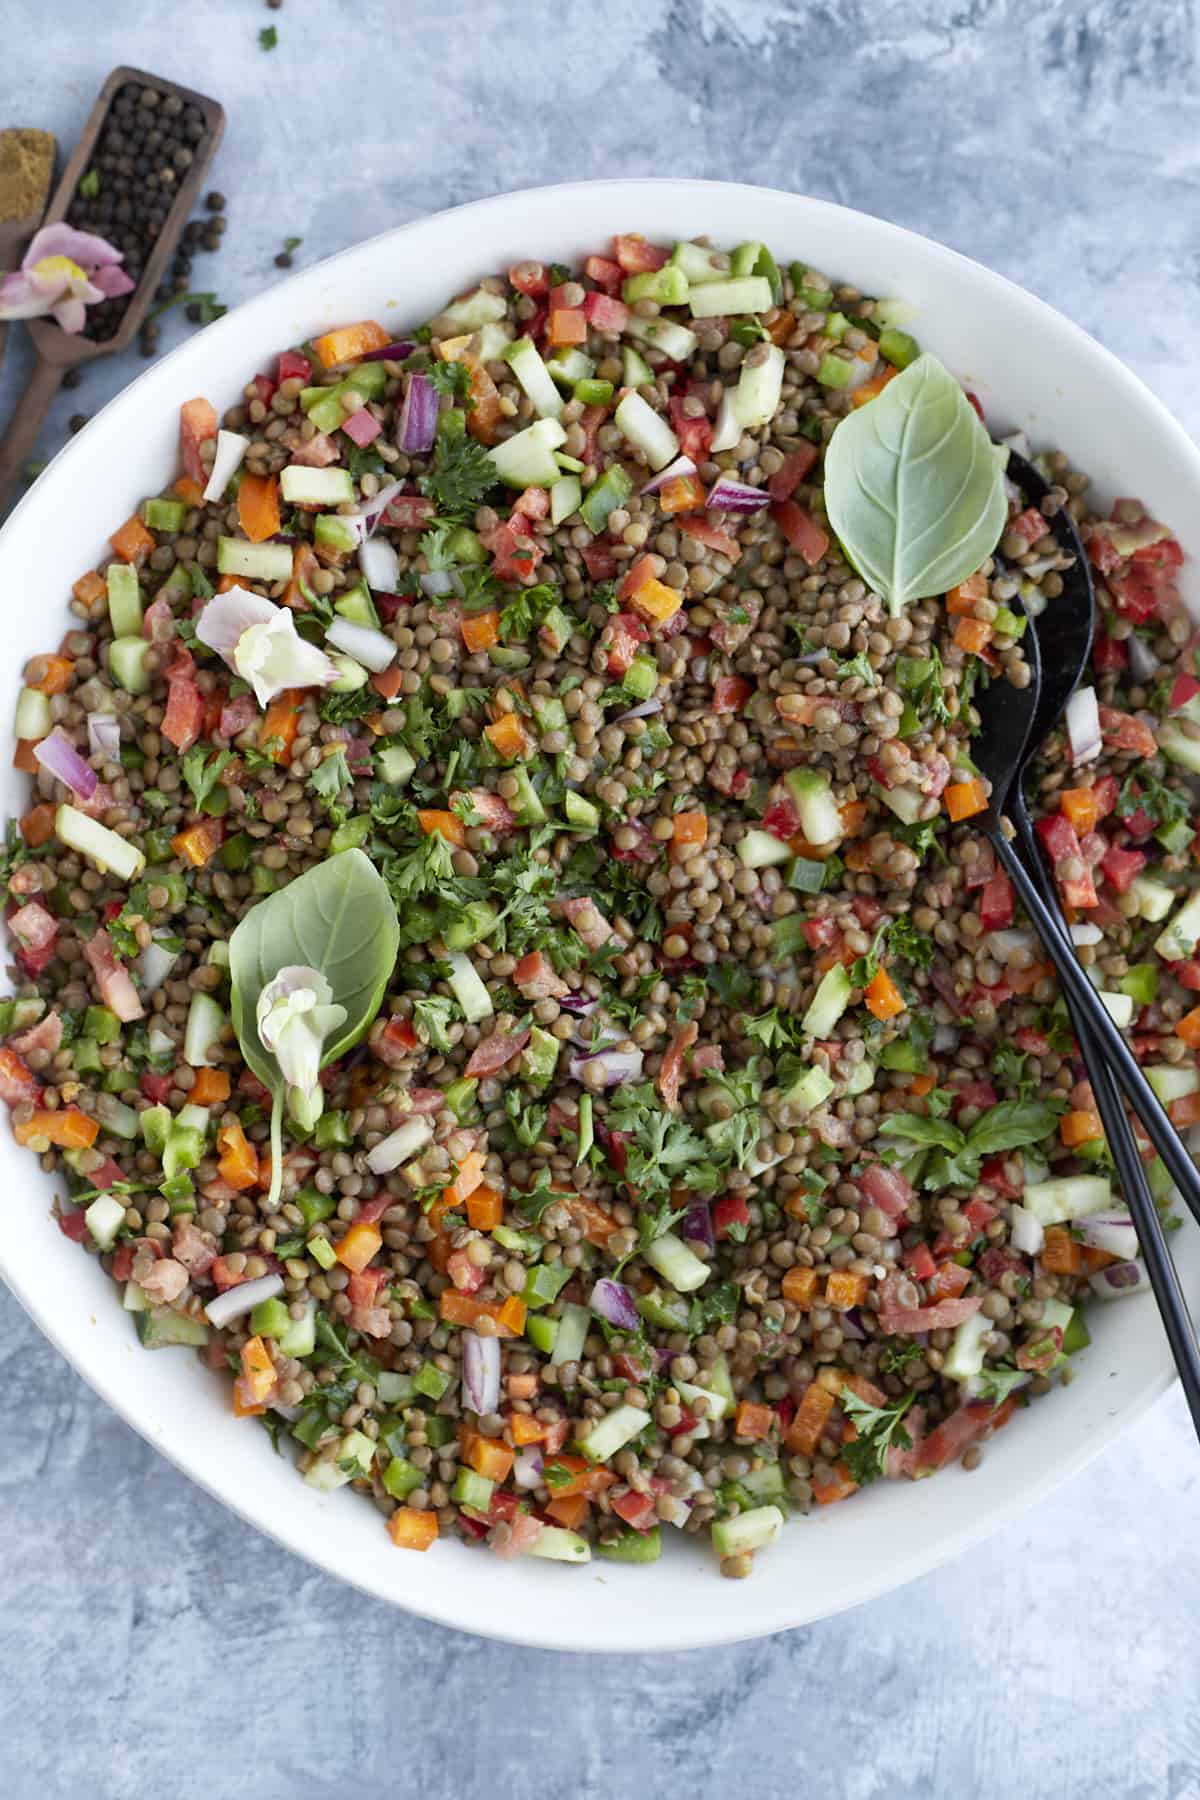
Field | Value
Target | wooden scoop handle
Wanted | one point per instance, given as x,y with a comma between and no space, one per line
28,417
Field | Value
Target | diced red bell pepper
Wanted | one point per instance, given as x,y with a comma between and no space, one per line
599,562
996,903
694,431
1062,845
802,532
1183,689
1121,866
1109,654
730,693
919,1261
293,366
155,1087
622,638
993,1174
792,471
728,1213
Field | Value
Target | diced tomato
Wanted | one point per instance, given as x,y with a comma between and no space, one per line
978,1213
1033,1043
515,552
293,366
534,503
401,1034
17,1083
887,1189
636,1510
623,636
408,512
535,977
821,934
1123,733
729,1213
1187,974
671,1073
801,530
955,1434
605,273
467,1277
919,1262
792,471
636,256
1183,689
1109,654
694,431
695,525
1062,845
646,849
531,279
1105,792
605,313
949,1280
184,717
599,562
730,693
73,1225
496,1050
1029,526
997,903
976,1093
155,1087
197,424
1121,866
998,1260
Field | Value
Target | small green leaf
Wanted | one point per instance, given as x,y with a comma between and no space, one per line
914,487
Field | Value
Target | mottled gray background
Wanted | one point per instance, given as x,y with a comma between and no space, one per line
149,1642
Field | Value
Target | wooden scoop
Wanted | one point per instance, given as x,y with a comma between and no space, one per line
58,350
26,171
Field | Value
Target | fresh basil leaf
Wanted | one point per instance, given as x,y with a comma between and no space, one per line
1011,1125
922,1131
914,487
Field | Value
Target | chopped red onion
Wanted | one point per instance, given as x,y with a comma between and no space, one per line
1086,934
231,448
1083,725
435,582
737,496
235,1302
683,465
373,509
527,1467
1027,1232
380,564
1119,1280
373,649
612,1300
390,353
1112,1231
1143,664
418,415
104,735
727,433
675,1511
850,1324
697,1225
399,1145
1004,944
480,1372
645,711
617,1065
58,755
580,1005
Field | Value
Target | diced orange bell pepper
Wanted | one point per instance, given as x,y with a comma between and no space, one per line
237,1161
883,997
23,757
467,1177
570,1511
522,1387
305,565
349,343
198,843
358,1246
1081,807
485,1208
870,389
1082,1127
572,1475
853,814
752,1420
37,825
89,588
920,1085
508,737
258,507
690,828
526,1430
70,1129
799,1285
510,1317
812,1416
210,1087
684,493
189,490
242,1408
1185,1111
446,824
1061,1253
1023,981
866,1390
656,601
490,1458
480,631
960,601
132,542
486,412
412,1530
258,1371
972,635
596,1225
388,682
1188,1028
277,733
568,325
843,1290
780,328
57,679
1094,1259
963,799
839,1486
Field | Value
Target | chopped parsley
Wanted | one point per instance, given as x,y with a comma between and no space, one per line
462,474
879,1430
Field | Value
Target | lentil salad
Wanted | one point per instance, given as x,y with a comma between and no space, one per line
690,1054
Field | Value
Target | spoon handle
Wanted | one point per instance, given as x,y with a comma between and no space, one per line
27,419
1131,1173
1089,1007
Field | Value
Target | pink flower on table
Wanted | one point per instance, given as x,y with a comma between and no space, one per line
64,271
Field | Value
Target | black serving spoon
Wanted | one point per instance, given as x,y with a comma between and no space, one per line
1064,639
1001,752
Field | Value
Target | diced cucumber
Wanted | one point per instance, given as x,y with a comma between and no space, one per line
570,465
469,990
904,801
668,285
554,632
270,1318
573,1327
539,1059
676,1263
493,340
332,532
395,765
766,1485
667,336
641,677
525,802
351,675
569,366
161,1327
134,1299
761,850
127,661
1119,1008
300,1336
565,496
751,1530
205,1022
401,1478
861,1079
745,257
809,1089
100,845
115,1116
476,920
820,820
666,1311
646,430
355,603
526,364
470,312
105,1217
701,263
756,397
527,458
354,1456
965,1355
828,1003
1068,1197
898,347
322,1252
1182,934
1140,982
165,515
257,562
580,812
34,718
635,370
1178,747
834,371
718,1405
613,1432
634,1546
612,490
472,1490
1172,1083
723,299
124,600
556,1544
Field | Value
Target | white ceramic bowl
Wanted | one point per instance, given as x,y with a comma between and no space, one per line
1032,369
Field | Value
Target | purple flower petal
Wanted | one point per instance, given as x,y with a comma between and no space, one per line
83,247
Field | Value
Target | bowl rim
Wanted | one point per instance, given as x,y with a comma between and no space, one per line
704,1627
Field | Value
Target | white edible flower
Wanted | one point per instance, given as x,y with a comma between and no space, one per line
295,1015
259,641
